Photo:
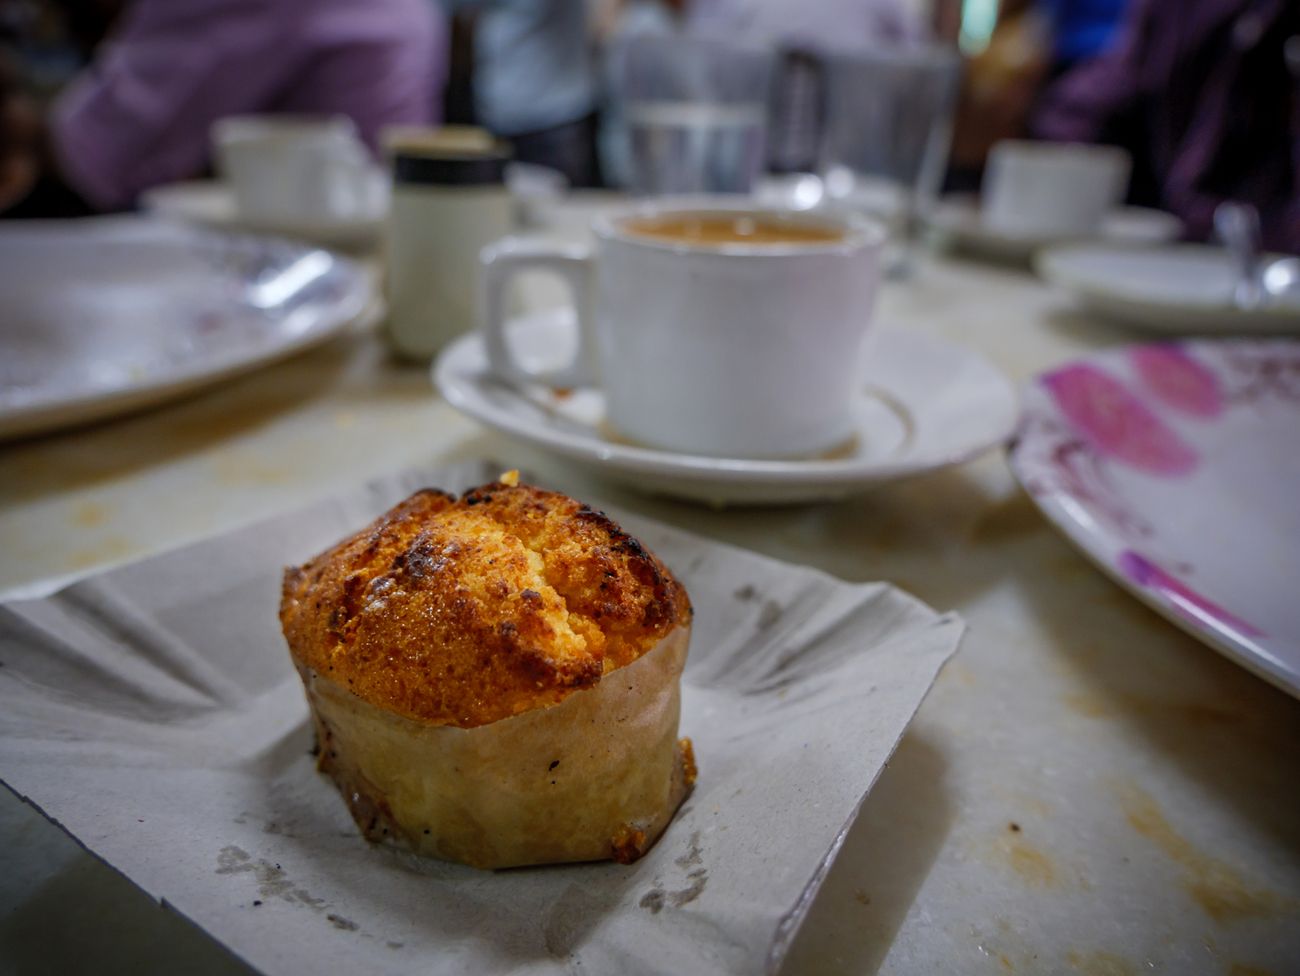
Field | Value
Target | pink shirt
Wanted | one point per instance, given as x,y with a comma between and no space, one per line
139,115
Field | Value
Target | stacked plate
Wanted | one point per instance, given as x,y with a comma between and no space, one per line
1182,289
106,315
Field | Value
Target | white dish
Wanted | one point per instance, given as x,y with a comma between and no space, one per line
1176,468
536,191
153,713
107,315
924,404
211,203
1178,288
957,221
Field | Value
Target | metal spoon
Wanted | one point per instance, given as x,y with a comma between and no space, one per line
1281,278
1237,225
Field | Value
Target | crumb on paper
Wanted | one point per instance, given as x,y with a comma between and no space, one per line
628,844
689,769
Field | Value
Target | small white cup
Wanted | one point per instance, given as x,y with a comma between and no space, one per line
721,349
300,169
1043,189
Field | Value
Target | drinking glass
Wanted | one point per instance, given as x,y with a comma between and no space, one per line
696,115
888,125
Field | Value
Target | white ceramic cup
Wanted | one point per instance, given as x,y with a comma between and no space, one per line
748,350
1051,189
304,169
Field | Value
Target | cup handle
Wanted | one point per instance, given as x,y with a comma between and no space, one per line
499,263
347,174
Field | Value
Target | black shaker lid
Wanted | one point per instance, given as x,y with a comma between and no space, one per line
450,169
447,156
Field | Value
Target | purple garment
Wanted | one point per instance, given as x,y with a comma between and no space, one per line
1201,93
139,116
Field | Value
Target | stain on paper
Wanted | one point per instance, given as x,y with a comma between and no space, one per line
697,877
273,882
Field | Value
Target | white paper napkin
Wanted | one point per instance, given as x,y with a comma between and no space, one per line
152,712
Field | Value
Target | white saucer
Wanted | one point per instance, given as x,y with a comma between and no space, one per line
957,220
1180,288
212,203
925,404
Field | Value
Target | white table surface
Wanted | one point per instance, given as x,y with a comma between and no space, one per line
1086,790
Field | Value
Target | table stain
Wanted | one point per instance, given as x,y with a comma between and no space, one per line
1216,886
1239,969
1193,715
108,550
959,672
1032,865
204,421
1098,963
237,469
89,515
1008,520
1090,705
1008,947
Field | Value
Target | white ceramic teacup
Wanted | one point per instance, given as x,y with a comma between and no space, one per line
709,344
1051,189
305,169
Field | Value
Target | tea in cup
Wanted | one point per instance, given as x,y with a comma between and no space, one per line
712,328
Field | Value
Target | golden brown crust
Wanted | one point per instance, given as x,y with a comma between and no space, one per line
465,611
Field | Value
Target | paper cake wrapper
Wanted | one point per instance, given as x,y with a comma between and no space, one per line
152,712
595,777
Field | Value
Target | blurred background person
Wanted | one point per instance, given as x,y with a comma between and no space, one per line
165,70
1004,76
1030,43
1206,96
534,80
1081,30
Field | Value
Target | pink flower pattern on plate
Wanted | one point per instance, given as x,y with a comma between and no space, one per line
1186,600
1178,381
1117,423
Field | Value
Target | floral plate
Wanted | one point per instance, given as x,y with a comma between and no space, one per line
1176,467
